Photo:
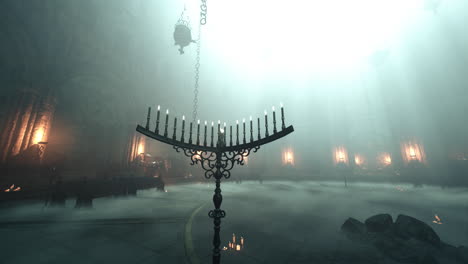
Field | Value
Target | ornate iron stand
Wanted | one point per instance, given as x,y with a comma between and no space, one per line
217,161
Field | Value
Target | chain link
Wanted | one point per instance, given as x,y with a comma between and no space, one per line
197,77
203,11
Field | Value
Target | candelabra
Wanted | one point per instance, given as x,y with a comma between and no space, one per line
217,161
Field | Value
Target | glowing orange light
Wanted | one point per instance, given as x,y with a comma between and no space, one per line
246,159
437,220
340,155
38,136
359,160
384,159
232,245
288,157
413,152
388,160
141,148
197,156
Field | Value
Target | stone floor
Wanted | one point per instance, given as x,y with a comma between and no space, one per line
281,222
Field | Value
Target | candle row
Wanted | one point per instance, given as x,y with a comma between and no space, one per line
221,130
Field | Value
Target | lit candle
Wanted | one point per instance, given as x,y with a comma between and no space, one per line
198,132
225,132
148,118
258,125
175,127
183,129
266,124
204,140
251,129
190,132
243,125
234,238
167,120
238,247
212,132
221,142
274,119
237,132
219,128
242,241
282,117
157,121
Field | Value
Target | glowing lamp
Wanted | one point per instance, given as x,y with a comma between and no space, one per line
288,157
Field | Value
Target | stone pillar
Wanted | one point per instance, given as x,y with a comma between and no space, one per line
29,122
15,122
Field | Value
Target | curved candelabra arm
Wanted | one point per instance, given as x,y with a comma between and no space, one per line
206,159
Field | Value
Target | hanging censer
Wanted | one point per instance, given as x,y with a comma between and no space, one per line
182,33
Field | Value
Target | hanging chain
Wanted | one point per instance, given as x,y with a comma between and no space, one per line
203,11
197,77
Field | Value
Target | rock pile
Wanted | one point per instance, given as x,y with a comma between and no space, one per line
407,240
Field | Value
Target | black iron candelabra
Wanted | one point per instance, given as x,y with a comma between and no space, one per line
217,161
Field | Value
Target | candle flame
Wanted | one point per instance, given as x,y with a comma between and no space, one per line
219,121
159,107
237,121
250,118
206,122
183,117
243,120
437,220
221,130
167,111
224,123
265,112
273,108
198,121
281,104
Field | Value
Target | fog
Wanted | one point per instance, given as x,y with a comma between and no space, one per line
346,73
376,91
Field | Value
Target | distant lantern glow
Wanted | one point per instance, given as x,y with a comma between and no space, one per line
38,136
384,159
288,157
141,147
340,155
412,151
359,160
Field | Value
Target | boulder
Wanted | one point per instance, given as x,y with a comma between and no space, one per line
409,227
353,228
379,223
462,254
